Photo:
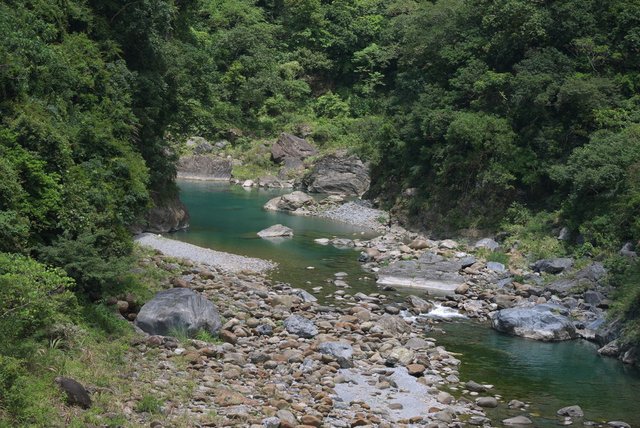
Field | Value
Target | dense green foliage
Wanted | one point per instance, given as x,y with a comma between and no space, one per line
523,101
494,102
514,114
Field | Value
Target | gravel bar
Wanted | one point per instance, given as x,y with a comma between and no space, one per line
357,214
220,260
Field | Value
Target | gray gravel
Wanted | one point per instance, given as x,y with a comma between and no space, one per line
357,214
217,259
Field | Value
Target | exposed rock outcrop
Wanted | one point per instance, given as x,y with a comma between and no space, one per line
201,167
290,147
166,216
338,173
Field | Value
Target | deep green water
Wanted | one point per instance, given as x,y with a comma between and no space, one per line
227,218
550,376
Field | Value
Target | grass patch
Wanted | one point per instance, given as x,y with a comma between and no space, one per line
494,256
205,336
149,404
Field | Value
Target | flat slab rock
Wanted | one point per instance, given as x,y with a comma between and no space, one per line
430,272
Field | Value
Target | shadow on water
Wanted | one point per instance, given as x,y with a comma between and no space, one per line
549,375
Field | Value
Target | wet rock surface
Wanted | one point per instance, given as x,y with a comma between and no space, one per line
276,231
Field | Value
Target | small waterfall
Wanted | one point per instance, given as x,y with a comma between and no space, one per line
443,312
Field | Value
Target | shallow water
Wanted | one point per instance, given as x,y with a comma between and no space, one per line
227,218
549,375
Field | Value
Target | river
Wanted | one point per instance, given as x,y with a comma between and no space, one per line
549,376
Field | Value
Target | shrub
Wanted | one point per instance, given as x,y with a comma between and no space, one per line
149,404
627,301
33,297
532,233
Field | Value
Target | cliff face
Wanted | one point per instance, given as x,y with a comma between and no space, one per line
166,216
203,167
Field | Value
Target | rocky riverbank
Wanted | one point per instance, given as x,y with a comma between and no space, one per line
354,212
281,359
285,361
547,300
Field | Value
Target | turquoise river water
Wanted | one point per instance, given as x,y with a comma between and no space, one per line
549,376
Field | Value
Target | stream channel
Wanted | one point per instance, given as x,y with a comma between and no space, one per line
547,375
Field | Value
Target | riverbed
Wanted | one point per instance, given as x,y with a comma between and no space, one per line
548,376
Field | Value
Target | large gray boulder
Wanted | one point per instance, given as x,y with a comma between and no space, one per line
338,173
585,279
431,272
201,167
276,231
554,266
594,272
290,147
565,287
544,322
290,202
178,310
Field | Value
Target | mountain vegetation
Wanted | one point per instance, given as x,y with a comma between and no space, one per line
513,115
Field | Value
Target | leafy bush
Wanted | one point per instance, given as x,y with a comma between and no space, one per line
32,299
531,233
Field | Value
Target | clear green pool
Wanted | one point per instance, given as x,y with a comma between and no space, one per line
227,218
549,375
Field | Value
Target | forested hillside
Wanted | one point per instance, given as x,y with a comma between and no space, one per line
506,114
